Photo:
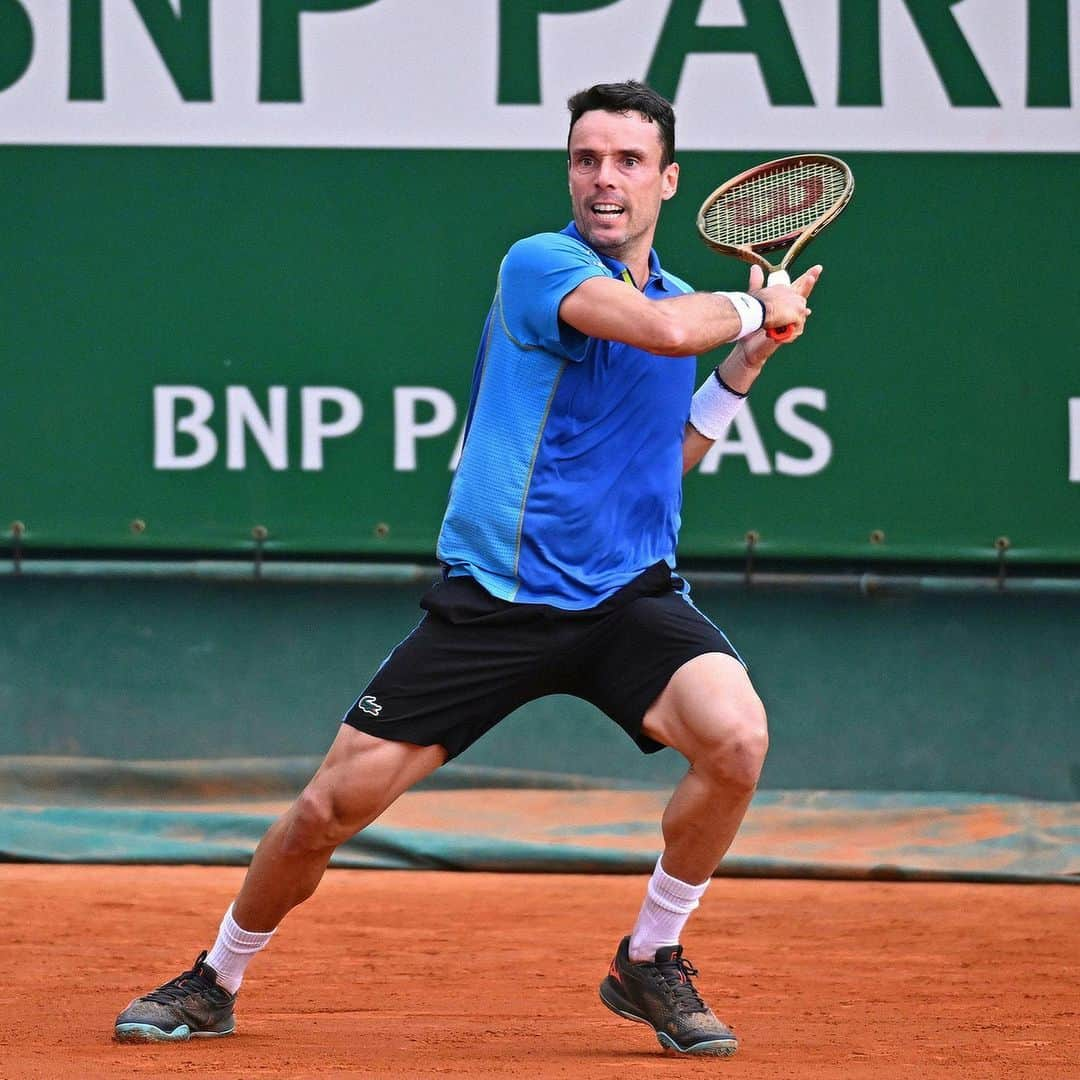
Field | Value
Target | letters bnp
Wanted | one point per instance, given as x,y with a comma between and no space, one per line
182,35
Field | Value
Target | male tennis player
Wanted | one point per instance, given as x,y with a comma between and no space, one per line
558,549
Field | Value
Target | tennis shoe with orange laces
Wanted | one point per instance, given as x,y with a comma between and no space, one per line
660,993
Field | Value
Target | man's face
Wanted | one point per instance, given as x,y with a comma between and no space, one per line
616,183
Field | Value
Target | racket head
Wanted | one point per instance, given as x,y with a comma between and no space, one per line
782,203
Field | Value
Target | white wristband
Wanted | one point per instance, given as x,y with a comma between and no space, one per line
714,406
750,309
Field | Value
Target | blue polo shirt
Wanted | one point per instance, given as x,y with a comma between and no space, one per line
570,480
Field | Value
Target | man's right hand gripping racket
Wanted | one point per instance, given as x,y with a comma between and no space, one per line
781,204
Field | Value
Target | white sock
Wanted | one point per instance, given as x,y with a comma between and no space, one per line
234,949
668,904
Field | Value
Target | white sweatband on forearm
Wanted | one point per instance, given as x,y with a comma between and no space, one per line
714,406
750,309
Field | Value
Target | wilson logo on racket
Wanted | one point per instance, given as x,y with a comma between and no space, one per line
752,211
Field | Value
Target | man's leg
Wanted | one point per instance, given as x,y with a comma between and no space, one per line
710,713
359,778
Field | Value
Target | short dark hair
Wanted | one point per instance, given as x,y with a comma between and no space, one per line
624,97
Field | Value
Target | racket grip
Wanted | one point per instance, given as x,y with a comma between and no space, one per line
780,333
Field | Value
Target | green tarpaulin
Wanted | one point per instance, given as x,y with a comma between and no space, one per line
86,810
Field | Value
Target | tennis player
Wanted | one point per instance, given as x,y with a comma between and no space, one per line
558,556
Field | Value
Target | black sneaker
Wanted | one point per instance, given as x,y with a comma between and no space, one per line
192,1006
661,994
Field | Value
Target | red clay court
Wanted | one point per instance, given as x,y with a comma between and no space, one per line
411,974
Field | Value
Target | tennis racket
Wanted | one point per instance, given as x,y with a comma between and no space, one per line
781,204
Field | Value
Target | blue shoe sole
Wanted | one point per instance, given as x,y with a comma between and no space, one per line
717,1047
149,1033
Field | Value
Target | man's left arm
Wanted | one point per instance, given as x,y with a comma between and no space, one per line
722,393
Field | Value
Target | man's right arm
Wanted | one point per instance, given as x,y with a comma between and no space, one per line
613,310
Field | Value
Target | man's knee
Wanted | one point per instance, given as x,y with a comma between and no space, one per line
712,715
359,778
316,821
733,739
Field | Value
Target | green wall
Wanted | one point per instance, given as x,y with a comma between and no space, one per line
915,693
940,340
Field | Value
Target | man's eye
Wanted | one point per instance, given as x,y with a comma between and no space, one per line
630,161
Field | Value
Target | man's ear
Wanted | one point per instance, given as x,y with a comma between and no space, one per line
671,181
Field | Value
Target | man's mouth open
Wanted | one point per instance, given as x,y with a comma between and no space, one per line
606,211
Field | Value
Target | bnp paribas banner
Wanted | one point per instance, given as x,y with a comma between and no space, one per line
248,248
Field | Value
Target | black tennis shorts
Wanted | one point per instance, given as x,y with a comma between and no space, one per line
474,659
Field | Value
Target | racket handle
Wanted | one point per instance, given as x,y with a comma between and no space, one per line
780,333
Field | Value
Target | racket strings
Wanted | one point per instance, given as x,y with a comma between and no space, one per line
772,205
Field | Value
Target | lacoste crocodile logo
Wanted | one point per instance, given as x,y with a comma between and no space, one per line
369,705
